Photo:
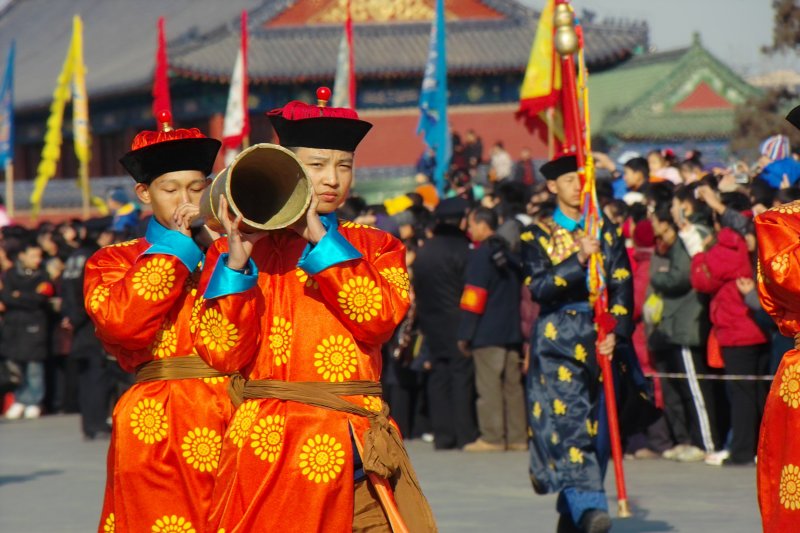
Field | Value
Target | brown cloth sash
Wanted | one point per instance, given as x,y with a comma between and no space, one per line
384,454
797,341
185,367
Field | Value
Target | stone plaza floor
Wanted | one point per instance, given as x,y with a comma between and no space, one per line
52,481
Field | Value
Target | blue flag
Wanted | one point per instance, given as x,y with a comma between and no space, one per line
433,100
7,112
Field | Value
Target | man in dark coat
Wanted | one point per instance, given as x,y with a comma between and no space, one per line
96,380
490,333
26,294
563,386
438,283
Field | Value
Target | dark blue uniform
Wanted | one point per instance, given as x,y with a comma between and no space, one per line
563,385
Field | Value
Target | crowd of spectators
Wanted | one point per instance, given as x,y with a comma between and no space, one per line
452,375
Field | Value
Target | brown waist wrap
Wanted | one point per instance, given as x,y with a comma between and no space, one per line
184,367
383,453
797,341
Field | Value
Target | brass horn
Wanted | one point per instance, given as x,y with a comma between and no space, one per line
266,184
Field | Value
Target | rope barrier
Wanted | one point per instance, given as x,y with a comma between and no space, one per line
718,377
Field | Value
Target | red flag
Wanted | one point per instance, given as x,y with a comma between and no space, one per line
161,99
237,121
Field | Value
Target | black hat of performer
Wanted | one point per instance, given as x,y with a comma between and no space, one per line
299,124
794,117
559,166
154,153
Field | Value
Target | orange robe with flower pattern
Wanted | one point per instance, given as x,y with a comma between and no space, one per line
166,435
778,232
288,466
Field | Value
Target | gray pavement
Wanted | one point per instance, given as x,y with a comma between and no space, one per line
52,481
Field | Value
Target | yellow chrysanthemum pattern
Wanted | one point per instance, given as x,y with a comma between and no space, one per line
360,299
172,524
242,422
201,449
580,353
780,264
217,332
267,438
123,244
214,380
564,374
321,459
194,321
305,279
575,455
621,274
619,310
399,278
99,295
373,403
789,389
280,340
149,421
166,343
335,358
537,410
154,280
110,524
591,428
550,331
789,489
559,407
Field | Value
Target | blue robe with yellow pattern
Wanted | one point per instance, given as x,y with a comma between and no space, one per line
563,384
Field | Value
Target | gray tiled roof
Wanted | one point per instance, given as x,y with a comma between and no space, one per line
120,41
474,46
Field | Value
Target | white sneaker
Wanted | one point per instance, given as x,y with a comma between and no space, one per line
15,411
674,452
33,411
717,458
692,454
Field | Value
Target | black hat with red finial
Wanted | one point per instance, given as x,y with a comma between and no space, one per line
299,124
154,153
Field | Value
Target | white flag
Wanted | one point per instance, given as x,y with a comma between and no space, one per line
233,129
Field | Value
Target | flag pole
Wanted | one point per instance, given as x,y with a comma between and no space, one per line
576,132
10,188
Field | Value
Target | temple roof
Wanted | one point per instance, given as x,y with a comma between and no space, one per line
680,94
483,36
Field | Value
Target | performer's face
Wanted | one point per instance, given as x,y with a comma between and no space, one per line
331,173
567,189
171,190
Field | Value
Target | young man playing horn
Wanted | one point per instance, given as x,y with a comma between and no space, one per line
302,314
167,429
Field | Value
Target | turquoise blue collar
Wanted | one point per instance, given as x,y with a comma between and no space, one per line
565,222
154,230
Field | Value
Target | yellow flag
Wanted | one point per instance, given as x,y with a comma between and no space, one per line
53,137
541,87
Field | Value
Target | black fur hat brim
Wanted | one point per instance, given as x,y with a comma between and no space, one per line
150,162
332,133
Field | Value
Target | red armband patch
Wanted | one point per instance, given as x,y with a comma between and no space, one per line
46,289
473,299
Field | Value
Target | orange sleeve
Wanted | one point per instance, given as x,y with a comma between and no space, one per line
127,295
369,294
227,335
778,233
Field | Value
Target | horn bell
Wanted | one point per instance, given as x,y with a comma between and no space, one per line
266,184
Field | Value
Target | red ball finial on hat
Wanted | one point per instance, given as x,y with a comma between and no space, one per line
323,95
164,118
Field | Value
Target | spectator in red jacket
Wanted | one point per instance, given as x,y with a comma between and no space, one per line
743,343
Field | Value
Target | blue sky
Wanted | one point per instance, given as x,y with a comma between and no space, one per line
733,30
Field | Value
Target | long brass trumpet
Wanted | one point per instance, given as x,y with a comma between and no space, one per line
266,184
